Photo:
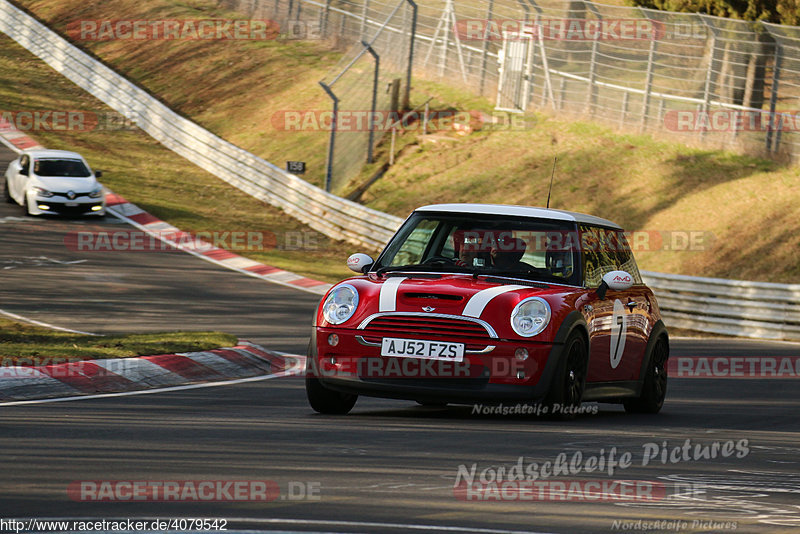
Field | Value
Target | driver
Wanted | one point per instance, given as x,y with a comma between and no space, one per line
469,249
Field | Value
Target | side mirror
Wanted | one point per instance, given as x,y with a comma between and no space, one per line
359,263
98,174
616,280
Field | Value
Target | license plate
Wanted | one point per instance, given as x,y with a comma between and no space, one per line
70,204
420,348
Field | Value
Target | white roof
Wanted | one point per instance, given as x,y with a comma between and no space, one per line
520,211
48,153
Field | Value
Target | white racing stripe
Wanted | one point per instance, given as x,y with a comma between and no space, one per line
479,300
388,297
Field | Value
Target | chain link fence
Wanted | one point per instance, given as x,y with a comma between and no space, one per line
719,82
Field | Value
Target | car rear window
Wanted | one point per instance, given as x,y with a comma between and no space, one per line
61,167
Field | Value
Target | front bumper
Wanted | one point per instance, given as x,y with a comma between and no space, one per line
494,376
41,206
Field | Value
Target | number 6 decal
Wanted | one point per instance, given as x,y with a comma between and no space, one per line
619,328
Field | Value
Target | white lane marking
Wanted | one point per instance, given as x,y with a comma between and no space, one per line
298,367
317,290
479,300
388,298
46,325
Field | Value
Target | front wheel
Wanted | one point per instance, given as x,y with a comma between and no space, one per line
324,400
566,392
654,389
7,193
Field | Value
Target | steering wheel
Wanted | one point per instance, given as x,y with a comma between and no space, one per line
439,259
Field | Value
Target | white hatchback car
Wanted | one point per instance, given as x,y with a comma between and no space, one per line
54,181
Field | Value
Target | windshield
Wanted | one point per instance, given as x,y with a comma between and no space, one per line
61,167
535,249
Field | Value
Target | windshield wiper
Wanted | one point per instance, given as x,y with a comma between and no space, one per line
534,278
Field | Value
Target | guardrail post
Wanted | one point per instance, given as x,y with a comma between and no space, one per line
332,140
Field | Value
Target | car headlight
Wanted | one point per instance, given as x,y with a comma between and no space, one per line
42,192
340,304
530,316
97,193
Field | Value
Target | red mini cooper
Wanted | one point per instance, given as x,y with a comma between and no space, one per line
488,303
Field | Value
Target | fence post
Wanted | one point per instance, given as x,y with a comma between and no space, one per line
648,86
707,84
773,97
412,37
485,47
323,19
329,170
624,109
364,12
371,121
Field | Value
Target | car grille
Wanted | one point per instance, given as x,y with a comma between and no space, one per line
65,195
428,325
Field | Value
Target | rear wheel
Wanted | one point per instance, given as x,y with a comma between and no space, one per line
654,389
566,391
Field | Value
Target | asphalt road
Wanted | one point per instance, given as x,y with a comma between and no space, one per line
389,466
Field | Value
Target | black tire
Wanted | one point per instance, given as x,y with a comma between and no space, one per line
569,381
25,205
324,400
654,389
7,193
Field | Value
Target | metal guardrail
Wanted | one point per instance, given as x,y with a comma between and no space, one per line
326,213
748,309
732,307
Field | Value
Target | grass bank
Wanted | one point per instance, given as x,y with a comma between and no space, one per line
744,212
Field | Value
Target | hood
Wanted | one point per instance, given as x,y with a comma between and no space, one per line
62,184
490,300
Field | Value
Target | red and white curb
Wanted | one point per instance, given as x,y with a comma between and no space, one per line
165,232
90,377
14,139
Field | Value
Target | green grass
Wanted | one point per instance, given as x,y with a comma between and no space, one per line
23,344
